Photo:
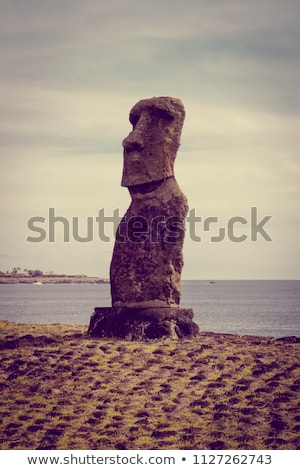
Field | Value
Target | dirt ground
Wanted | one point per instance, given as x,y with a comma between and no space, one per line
61,389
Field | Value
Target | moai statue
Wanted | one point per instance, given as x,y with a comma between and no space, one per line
147,260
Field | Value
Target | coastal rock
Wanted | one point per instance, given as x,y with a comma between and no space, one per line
289,339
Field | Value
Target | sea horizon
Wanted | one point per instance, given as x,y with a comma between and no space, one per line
254,307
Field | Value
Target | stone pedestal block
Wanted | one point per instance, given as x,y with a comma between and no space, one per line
141,324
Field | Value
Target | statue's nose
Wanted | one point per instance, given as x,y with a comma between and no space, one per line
135,140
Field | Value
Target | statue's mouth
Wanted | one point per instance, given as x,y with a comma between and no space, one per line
133,156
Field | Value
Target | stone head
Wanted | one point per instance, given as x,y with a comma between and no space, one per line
150,148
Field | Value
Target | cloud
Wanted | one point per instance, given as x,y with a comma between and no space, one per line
71,71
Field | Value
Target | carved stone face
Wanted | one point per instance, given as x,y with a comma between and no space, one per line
150,148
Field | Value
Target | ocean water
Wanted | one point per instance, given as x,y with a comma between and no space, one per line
266,308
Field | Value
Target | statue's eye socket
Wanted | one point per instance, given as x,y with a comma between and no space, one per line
164,115
154,114
161,117
134,119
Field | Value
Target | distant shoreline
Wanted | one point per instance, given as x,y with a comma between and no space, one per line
52,279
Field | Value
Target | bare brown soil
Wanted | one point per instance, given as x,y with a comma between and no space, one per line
63,390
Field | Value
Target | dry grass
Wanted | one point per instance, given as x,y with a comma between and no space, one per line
63,390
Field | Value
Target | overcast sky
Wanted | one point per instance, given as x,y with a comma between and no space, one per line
70,72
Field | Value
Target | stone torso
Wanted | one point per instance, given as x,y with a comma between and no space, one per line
147,259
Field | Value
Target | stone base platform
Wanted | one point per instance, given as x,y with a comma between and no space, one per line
139,324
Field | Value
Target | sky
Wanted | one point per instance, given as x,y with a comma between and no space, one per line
70,73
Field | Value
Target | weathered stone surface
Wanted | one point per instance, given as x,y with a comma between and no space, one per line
147,260
142,323
150,148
